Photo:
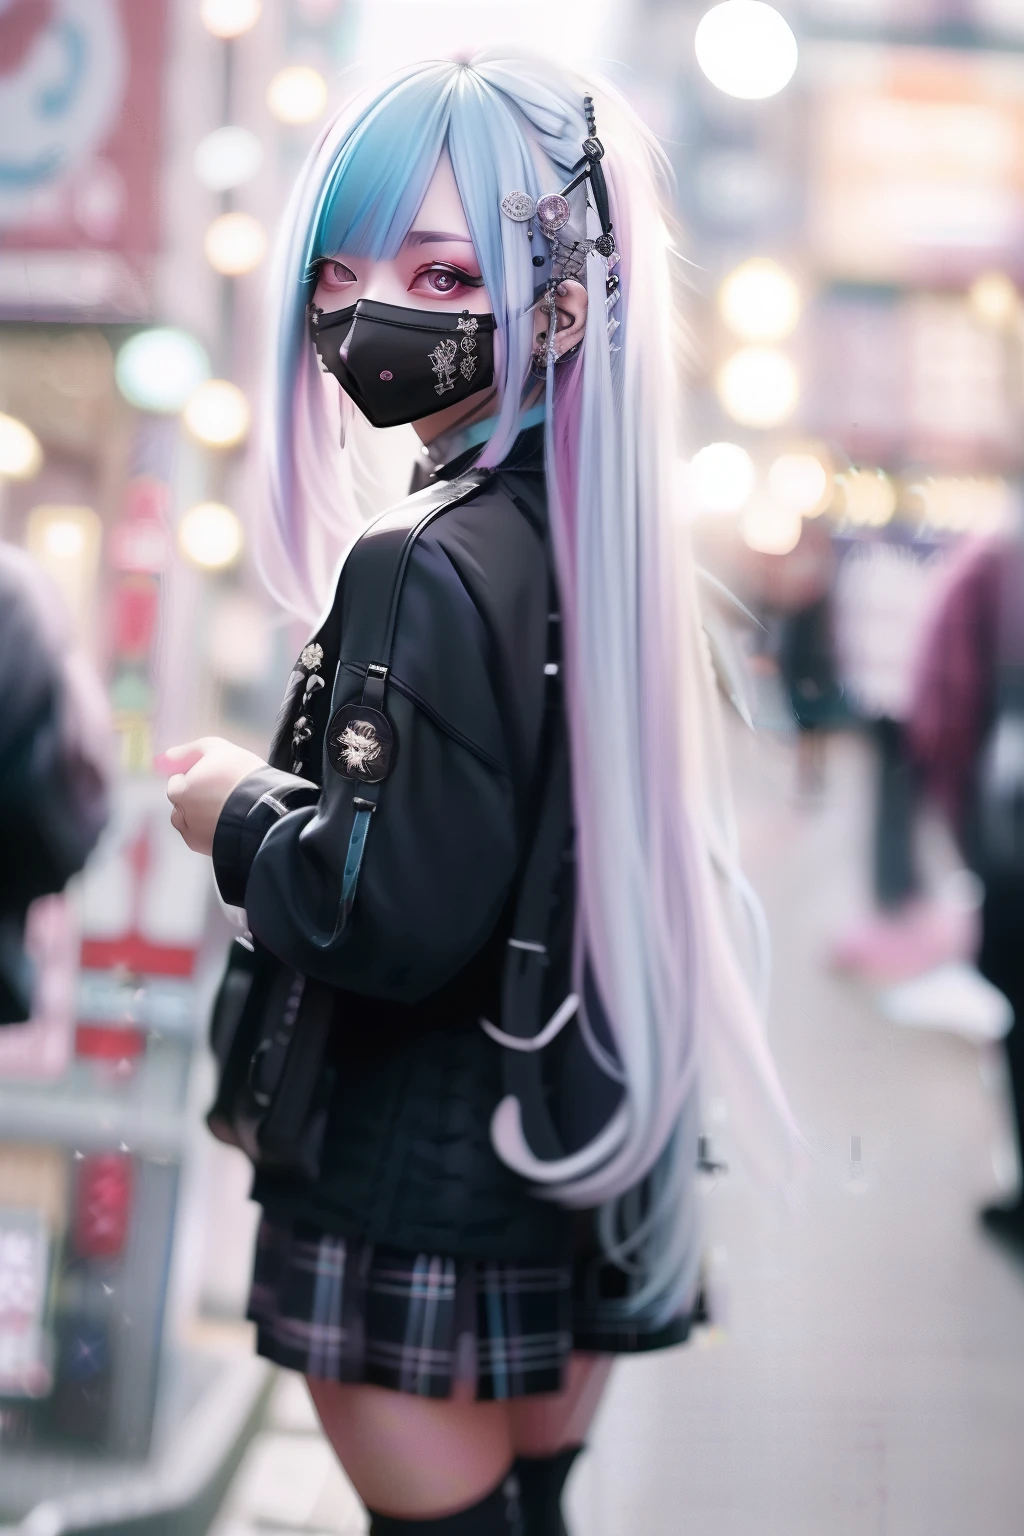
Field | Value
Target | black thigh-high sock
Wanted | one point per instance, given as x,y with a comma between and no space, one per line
541,1480
495,1515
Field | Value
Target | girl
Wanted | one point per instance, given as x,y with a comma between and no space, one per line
462,252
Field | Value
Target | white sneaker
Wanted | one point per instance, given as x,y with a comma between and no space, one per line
955,997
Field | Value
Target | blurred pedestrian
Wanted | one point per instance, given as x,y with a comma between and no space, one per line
882,592
793,594
967,732
55,752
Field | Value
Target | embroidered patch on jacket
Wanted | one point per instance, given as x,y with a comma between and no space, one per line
360,743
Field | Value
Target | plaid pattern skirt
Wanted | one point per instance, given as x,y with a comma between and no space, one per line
347,1310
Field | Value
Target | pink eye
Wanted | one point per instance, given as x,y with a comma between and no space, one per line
335,274
443,280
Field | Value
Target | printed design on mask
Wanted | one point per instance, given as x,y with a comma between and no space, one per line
359,747
442,360
467,367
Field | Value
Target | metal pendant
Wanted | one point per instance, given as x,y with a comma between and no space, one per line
553,212
518,206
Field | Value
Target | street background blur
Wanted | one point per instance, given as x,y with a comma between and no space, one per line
850,200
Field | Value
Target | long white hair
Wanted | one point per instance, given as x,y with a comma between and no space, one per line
657,879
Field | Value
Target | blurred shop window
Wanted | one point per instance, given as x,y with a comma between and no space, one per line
915,173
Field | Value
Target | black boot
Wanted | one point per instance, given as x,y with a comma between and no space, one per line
1006,1224
495,1515
1001,962
541,1480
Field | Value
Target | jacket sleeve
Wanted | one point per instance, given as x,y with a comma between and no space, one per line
442,846
250,811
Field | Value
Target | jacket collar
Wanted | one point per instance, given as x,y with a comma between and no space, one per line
526,456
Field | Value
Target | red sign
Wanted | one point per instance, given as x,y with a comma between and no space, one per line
81,102
103,1205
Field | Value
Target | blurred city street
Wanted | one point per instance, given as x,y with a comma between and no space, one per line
844,197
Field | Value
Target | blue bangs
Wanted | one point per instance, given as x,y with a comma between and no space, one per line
383,169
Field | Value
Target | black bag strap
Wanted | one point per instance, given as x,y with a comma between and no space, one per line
371,574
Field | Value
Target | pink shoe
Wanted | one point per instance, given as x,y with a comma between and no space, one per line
916,938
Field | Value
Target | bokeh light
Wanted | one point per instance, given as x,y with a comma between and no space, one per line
297,94
759,301
235,244
868,497
158,369
802,482
217,414
21,455
769,528
226,158
721,477
758,386
994,299
960,504
210,535
746,49
64,539
229,18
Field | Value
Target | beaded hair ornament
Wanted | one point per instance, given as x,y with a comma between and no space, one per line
551,214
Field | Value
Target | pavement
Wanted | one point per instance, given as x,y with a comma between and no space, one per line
865,1376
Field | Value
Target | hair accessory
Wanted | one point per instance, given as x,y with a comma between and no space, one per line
518,206
552,213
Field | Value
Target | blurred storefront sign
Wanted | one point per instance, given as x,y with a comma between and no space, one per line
917,164
81,107
912,377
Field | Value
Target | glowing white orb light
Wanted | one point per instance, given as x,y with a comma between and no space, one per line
210,535
297,94
994,299
759,301
869,497
157,370
226,158
758,386
801,482
20,453
64,539
217,414
721,477
769,528
746,48
235,243
229,18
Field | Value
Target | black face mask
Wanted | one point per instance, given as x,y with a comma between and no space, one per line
400,365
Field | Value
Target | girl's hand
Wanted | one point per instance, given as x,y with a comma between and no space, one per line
205,773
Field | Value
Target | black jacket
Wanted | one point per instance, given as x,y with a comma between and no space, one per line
407,1158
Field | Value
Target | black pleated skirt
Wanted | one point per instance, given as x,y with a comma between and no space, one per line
347,1310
